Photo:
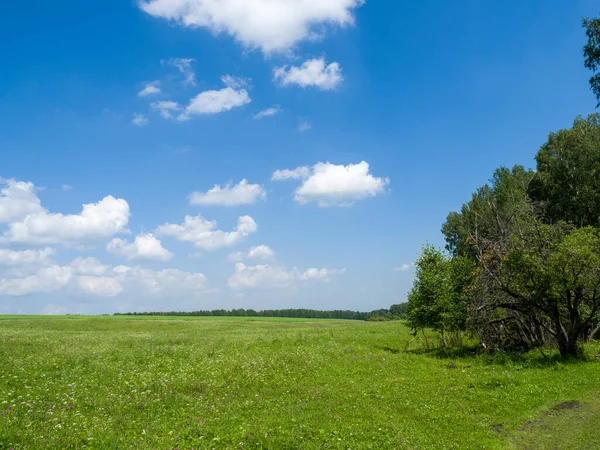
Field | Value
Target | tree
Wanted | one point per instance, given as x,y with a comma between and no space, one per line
567,181
439,299
544,281
399,310
591,52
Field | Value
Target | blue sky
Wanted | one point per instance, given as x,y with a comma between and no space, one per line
386,116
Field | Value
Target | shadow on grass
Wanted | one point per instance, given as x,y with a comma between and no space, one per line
466,353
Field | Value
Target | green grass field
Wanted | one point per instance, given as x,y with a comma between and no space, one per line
166,383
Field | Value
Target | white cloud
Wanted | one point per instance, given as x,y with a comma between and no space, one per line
234,82
96,221
184,66
274,277
257,252
89,266
402,268
203,235
100,286
271,25
320,274
235,257
12,258
215,102
261,252
313,72
304,125
107,281
145,247
17,199
90,276
268,112
151,88
167,282
242,193
66,187
335,185
299,173
166,108
44,280
139,120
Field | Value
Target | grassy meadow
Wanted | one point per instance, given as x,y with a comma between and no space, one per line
236,383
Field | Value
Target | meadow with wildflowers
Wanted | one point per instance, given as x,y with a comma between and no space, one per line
233,383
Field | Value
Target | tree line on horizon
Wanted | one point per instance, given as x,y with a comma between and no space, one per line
521,265
395,312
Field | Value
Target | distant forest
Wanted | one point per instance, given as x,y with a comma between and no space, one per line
395,312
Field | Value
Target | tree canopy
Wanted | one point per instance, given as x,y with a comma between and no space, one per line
522,260
591,53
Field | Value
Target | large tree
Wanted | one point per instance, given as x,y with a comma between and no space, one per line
567,181
524,251
544,281
591,53
495,210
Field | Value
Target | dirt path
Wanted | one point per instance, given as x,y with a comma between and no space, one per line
568,425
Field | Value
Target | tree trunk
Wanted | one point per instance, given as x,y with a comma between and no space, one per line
444,341
594,332
568,338
567,344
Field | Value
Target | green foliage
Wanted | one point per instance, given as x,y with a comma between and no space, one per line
551,279
493,210
568,174
400,310
151,382
396,312
439,299
291,313
526,233
591,53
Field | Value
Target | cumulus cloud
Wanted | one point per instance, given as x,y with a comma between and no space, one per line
268,112
257,252
139,120
89,266
320,274
261,252
12,258
274,277
313,72
166,108
184,66
145,247
17,200
235,257
96,221
215,102
151,88
402,268
44,280
242,193
334,185
167,282
100,286
204,235
90,276
269,25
